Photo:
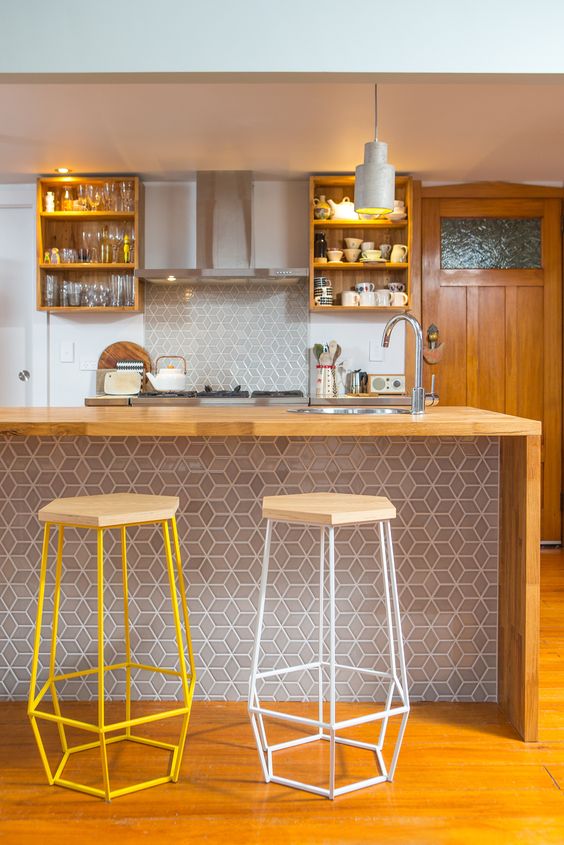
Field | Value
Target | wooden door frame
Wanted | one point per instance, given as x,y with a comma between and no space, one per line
496,191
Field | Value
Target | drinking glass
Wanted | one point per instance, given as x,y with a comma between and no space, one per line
81,201
74,293
51,291
129,292
94,197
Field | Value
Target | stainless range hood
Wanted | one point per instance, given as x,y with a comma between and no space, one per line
224,236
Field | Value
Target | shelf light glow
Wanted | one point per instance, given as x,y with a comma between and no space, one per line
171,278
62,170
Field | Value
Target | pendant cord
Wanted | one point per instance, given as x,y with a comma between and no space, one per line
376,112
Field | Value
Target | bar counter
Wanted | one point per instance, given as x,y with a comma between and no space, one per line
466,484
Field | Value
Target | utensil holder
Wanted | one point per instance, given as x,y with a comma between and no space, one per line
325,383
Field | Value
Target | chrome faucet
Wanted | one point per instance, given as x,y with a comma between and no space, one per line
418,392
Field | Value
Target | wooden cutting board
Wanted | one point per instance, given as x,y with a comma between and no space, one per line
123,350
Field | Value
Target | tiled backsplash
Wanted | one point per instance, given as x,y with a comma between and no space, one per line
252,334
445,535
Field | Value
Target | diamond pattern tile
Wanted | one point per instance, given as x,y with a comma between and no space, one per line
249,334
446,541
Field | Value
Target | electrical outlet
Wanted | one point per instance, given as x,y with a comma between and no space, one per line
86,365
375,350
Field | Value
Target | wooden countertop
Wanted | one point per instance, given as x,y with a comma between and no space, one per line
256,422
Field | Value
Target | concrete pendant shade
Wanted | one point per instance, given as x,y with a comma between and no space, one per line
374,189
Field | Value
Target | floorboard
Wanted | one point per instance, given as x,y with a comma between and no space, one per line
463,776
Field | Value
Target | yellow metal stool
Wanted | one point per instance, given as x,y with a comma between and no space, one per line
99,513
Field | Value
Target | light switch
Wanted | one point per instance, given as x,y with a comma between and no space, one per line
66,352
375,350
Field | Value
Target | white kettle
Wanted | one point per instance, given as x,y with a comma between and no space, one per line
169,378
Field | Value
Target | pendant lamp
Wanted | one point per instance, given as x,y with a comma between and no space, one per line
375,180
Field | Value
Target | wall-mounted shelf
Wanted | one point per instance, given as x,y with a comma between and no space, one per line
81,231
343,274
359,309
359,224
87,265
95,309
87,215
360,265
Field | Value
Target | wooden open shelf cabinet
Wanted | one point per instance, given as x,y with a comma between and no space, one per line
62,228
344,275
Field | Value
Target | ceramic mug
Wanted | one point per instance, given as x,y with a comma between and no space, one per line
334,254
349,297
396,286
399,254
364,287
372,255
399,205
398,297
353,243
367,298
352,254
386,250
367,245
383,297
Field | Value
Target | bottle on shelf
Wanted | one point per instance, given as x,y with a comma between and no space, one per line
106,247
67,202
126,249
320,246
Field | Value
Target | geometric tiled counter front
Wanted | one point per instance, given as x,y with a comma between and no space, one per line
446,491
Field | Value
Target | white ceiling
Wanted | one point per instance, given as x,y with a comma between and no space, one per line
453,131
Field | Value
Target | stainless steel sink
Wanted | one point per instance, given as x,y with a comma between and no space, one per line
334,410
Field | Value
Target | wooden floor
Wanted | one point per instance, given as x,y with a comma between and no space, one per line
463,777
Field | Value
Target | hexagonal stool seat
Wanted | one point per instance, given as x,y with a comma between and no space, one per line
101,513
328,510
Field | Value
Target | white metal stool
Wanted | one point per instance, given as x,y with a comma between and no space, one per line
328,510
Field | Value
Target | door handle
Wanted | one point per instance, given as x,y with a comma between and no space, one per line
24,375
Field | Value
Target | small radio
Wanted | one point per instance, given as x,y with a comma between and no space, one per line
385,384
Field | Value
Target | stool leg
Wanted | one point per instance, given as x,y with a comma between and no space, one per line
391,635
126,629
55,628
191,661
256,718
403,669
332,691
101,664
35,658
177,756
321,621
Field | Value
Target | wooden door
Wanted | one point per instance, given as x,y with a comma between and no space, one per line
491,282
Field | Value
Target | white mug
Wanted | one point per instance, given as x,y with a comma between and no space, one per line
364,287
383,297
398,297
367,245
368,298
349,297
399,254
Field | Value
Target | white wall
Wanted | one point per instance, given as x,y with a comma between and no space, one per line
23,330
435,36
89,334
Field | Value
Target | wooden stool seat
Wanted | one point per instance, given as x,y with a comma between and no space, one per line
328,508
109,510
